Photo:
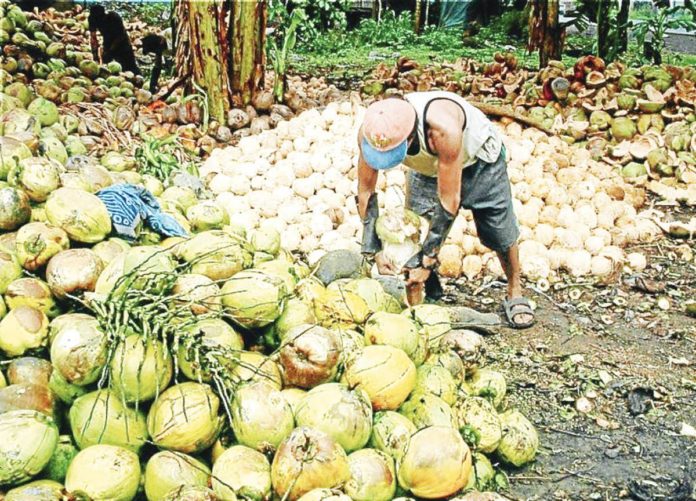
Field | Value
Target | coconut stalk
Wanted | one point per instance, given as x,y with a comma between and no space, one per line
545,32
203,51
248,48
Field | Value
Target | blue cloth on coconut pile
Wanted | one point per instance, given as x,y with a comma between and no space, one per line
128,204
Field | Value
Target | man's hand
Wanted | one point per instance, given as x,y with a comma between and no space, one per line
384,265
417,276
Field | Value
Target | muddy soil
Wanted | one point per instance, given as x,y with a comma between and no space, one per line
608,379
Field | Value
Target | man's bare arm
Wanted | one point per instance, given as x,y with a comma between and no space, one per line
367,181
446,122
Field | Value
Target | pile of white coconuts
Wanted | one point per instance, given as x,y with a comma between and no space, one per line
576,214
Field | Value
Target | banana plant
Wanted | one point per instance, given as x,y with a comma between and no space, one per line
280,56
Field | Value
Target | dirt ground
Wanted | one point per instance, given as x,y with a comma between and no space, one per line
608,379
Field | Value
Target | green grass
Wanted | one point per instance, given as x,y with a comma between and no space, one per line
343,55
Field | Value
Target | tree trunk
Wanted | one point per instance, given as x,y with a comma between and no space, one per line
603,26
622,26
248,49
417,17
203,52
545,31
427,13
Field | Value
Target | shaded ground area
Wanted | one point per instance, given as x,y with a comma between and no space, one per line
608,379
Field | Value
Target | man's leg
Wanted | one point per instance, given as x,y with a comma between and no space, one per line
510,261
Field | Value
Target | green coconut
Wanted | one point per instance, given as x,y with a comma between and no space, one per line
215,254
372,476
376,365
31,292
210,333
140,370
38,177
101,417
261,418
520,441
482,473
82,215
340,309
38,242
29,439
18,120
254,299
296,312
391,432
344,414
243,472
10,269
12,151
206,215
38,490
478,419
394,330
295,472
78,348
104,472
623,128
168,470
185,418
436,463
44,110
424,409
436,380
117,162
14,208
23,328
20,91
57,467
490,385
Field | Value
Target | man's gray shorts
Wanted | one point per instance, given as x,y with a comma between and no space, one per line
485,190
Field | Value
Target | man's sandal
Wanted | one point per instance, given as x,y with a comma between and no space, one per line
515,307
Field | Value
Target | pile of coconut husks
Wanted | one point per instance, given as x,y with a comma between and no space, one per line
639,120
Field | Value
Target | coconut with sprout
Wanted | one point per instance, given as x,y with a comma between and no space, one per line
478,417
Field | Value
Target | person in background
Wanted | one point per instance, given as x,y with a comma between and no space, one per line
116,44
455,158
158,46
